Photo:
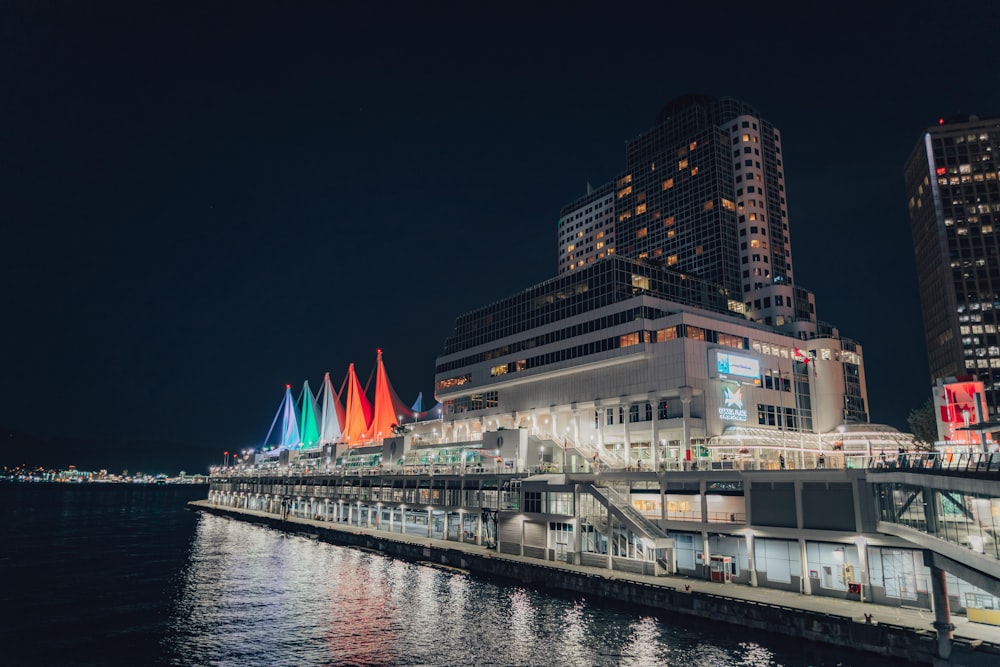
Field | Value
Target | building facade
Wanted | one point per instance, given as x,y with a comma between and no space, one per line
954,203
633,365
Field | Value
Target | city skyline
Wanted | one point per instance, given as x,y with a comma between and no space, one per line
207,206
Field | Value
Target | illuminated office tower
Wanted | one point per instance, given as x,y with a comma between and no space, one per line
703,193
954,202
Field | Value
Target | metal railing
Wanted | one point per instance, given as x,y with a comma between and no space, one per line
939,462
612,497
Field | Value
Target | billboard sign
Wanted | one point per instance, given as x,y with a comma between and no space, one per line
729,365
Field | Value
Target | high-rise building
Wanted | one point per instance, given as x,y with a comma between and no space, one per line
703,193
954,202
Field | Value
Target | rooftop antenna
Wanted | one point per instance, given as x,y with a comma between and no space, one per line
589,188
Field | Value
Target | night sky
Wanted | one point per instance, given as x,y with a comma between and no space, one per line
201,202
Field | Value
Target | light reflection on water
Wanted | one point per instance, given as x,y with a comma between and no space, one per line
256,596
98,575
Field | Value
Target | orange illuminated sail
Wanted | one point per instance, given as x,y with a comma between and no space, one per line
357,412
389,409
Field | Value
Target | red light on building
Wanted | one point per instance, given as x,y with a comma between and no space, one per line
940,121
941,171
961,404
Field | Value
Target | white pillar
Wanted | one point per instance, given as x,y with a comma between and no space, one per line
654,454
602,416
686,395
626,422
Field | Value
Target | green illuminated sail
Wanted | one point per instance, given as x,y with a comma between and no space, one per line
308,427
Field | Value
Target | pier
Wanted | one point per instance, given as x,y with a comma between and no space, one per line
585,534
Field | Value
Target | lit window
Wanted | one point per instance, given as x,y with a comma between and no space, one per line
667,184
694,171
709,205
728,205
682,165
745,137
629,340
625,191
670,333
693,145
669,222
641,208
641,233
671,260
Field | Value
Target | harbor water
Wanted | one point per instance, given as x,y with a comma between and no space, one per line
101,574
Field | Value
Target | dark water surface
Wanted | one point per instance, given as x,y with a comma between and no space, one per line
125,575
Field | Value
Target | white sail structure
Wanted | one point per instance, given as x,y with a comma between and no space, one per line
333,413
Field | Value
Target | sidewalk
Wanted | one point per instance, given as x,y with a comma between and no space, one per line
906,617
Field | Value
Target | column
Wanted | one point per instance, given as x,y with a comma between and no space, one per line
626,415
706,552
654,454
930,499
702,487
609,538
804,567
686,393
942,612
601,418
862,545
751,560
577,536
576,436
430,522
521,540
806,585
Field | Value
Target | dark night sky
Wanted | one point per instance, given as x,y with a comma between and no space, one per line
203,201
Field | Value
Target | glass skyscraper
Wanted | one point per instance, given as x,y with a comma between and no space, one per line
954,201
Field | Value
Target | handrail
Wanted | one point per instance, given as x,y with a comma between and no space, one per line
987,463
615,498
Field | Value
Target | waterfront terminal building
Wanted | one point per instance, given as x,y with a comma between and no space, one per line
674,407
622,417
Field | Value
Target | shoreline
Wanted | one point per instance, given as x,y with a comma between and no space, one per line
896,632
